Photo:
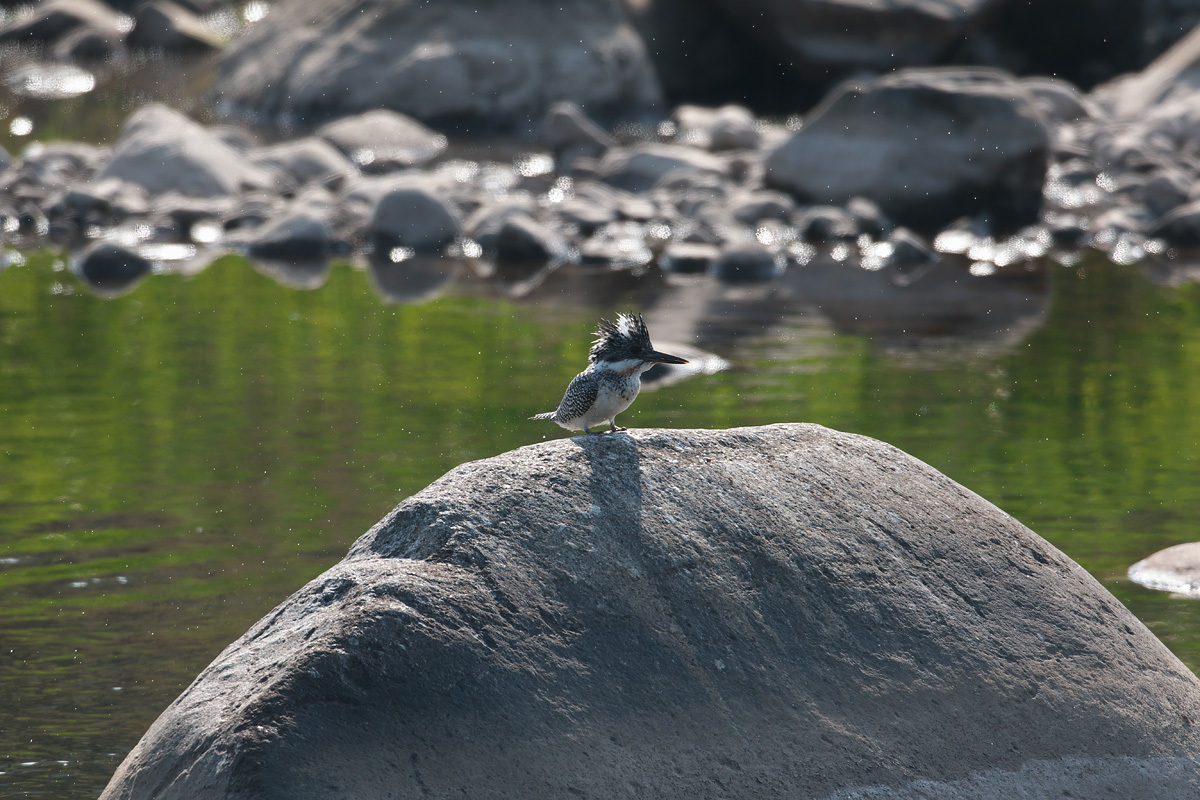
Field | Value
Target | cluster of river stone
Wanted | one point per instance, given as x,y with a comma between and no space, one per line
1024,168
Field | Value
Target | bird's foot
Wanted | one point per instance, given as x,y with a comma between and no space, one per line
614,428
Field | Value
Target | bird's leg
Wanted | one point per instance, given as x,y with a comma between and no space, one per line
587,430
613,427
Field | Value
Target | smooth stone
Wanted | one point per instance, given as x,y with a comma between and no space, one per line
729,127
509,234
927,145
1059,101
640,167
825,224
414,217
307,160
868,217
162,150
476,64
591,209
521,238
381,140
904,253
567,129
688,258
753,207
746,263
1180,227
775,612
302,231
1175,569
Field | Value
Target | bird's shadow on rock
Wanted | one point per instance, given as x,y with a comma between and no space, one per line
615,479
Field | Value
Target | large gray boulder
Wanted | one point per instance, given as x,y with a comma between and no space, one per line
843,36
771,612
928,146
162,150
480,62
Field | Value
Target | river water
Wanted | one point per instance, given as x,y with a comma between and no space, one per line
176,460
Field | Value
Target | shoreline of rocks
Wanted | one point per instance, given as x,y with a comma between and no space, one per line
896,172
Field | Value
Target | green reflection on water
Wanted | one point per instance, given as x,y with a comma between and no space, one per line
175,462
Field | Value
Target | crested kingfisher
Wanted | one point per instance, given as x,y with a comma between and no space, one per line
620,354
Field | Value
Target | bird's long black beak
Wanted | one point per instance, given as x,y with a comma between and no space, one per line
663,358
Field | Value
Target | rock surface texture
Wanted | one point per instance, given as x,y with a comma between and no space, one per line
479,63
783,611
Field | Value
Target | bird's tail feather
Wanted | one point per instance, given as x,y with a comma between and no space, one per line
547,415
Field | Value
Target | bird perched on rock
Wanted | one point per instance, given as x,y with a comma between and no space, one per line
620,354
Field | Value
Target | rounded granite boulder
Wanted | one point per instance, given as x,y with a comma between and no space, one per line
775,612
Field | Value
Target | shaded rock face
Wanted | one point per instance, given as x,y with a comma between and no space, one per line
973,140
783,611
483,63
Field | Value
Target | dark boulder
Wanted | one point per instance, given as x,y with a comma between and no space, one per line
927,145
838,37
746,263
1180,227
769,612
521,238
414,216
479,63
302,231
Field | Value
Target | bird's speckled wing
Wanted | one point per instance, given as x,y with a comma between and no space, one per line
581,393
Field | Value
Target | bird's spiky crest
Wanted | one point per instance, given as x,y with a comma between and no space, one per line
620,340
